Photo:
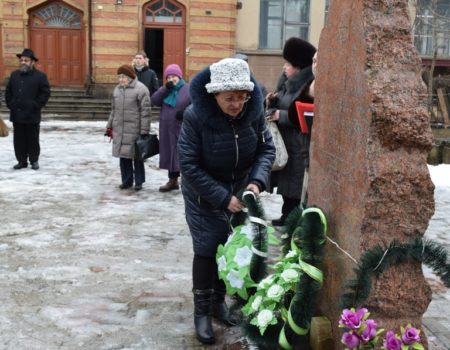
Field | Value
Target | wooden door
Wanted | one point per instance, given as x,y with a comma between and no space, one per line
57,38
174,47
170,17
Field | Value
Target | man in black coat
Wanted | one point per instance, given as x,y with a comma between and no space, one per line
27,92
144,74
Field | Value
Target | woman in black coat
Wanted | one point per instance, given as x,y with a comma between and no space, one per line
297,72
223,147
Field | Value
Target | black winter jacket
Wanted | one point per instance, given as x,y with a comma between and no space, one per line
218,157
290,178
26,94
148,77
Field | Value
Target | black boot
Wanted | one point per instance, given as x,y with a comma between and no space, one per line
220,309
202,315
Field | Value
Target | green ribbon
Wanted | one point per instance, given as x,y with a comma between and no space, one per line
312,272
282,340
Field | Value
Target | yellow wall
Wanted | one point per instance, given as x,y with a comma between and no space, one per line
247,29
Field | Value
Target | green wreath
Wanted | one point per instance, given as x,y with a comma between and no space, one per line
242,260
378,259
278,314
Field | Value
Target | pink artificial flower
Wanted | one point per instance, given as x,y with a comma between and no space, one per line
352,319
392,342
350,340
410,336
369,332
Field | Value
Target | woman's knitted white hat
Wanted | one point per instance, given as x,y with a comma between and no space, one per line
229,74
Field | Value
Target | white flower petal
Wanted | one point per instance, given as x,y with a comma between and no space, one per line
235,280
264,317
275,291
243,256
257,303
248,231
289,275
222,263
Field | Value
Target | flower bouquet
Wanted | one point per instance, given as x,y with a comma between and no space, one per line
362,333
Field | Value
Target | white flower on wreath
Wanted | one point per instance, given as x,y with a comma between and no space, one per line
222,263
257,303
275,291
265,282
243,256
248,231
264,317
291,254
235,280
289,275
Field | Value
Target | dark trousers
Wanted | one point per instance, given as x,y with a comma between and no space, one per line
204,274
289,204
26,142
174,174
128,173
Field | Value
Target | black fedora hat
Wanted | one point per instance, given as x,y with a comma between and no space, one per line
27,53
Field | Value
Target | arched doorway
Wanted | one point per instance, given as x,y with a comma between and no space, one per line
164,34
57,38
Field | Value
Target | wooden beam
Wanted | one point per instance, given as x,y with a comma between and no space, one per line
444,104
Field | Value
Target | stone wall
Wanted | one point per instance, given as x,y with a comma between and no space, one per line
370,144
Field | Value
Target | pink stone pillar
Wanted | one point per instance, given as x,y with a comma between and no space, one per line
369,152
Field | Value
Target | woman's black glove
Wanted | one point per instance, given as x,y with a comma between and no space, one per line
169,85
179,115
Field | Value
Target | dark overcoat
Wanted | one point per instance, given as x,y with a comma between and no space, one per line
219,156
290,179
26,94
169,126
148,77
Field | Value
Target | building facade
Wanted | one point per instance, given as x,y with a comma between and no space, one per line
83,41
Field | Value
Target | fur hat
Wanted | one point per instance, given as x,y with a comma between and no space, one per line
27,53
298,52
229,74
127,70
173,69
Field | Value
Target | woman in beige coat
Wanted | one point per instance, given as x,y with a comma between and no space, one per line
129,118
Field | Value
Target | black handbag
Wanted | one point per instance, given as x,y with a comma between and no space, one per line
146,146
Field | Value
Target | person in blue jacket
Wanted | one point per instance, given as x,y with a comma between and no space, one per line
224,147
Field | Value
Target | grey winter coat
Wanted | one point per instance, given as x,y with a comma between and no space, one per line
290,179
129,118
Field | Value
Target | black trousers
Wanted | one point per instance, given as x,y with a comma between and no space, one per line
204,274
129,174
174,174
288,205
26,142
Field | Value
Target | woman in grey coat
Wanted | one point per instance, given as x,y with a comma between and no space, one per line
129,118
297,71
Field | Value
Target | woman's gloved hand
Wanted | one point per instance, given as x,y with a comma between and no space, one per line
109,133
169,85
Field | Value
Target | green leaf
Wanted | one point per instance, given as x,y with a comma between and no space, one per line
405,347
417,346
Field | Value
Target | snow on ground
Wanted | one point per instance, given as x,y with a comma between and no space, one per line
86,265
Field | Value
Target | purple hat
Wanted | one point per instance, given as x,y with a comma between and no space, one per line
173,69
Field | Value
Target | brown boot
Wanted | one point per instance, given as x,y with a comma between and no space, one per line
172,184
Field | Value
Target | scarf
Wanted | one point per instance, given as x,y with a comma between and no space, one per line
171,98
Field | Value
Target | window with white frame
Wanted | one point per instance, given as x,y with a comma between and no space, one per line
432,27
282,19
